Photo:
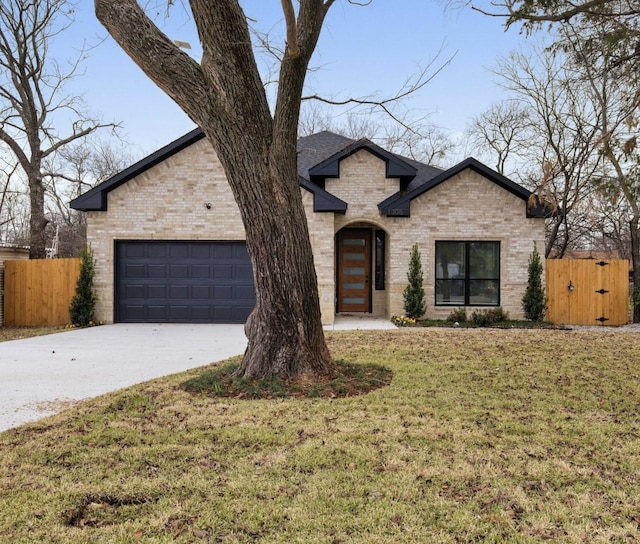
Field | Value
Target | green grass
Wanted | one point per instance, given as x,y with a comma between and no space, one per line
482,436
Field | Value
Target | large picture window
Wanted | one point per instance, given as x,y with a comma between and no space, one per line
467,273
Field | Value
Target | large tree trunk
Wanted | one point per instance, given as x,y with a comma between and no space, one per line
225,96
635,260
284,330
37,221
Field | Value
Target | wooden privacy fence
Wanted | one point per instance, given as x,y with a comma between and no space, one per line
38,292
588,291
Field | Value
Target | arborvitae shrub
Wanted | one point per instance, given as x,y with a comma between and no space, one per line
83,304
534,301
414,306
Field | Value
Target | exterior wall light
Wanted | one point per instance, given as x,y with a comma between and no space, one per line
570,286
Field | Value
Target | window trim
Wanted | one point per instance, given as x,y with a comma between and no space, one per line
380,259
467,273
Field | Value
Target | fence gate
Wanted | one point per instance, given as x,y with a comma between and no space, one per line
588,291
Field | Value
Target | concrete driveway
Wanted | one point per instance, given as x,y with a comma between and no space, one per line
43,375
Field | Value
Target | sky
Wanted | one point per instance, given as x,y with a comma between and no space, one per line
362,51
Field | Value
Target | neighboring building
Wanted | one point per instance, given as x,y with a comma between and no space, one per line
169,241
9,252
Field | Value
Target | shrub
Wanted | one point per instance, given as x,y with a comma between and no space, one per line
486,318
459,315
83,304
534,301
414,306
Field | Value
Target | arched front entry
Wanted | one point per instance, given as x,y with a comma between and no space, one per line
360,270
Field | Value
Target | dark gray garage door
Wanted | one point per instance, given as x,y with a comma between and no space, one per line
183,282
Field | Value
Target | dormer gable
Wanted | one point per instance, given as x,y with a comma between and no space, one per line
395,167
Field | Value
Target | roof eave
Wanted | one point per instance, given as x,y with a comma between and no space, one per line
96,198
399,205
323,201
395,167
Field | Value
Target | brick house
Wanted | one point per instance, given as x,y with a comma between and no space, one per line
169,241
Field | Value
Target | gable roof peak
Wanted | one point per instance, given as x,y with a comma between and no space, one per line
400,204
396,167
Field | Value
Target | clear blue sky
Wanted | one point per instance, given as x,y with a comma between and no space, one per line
362,50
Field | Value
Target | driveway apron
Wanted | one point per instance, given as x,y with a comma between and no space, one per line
41,376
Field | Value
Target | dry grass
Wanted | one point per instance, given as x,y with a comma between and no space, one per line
482,436
18,333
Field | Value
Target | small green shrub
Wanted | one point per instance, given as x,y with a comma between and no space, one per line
414,306
83,304
486,318
534,301
459,315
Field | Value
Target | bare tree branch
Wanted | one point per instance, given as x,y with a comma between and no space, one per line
31,91
410,87
293,50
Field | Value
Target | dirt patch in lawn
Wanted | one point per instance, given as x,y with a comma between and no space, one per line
346,381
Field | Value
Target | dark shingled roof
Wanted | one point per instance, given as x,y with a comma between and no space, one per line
317,147
424,174
324,151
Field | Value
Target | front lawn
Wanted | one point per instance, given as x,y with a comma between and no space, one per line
482,436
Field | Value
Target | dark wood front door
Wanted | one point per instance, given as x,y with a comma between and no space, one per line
354,270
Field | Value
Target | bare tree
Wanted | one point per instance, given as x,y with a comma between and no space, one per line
620,18
616,95
33,102
505,129
550,130
71,171
421,142
225,95
12,205
316,119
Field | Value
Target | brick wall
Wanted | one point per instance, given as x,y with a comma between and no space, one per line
465,207
167,202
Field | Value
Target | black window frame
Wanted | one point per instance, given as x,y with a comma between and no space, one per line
379,259
467,273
